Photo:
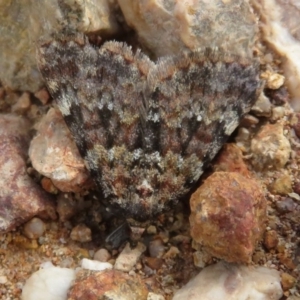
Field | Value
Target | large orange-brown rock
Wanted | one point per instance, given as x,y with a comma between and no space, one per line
108,284
228,214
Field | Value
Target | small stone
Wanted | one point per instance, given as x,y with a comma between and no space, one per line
3,279
154,263
152,296
156,248
66,206
278,113
287,281
95,265
53,153
81,233
279,96
285,205
171,253
282,184
232,282
48,186
107,284
129,257
22,104
262,106
228,214
248,121
271,239
102,255
152,230
230,159
42,95
270,148
274,80
201,258
34,228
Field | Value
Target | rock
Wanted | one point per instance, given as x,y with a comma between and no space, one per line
81,233
228,214
42,95
156,248
51,283
34,229
54,154
287,281
286,205
18,40
270,148
152,296
273,80
95,265
282,185
168,27
278,113
66,206
21,198
129,257
230,159
108,284
262,106
232,282
271,239
280,31
102,255
22,104
153,262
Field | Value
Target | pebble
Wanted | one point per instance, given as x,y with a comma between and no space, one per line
129,257
271,239
95,265
51,283
172,252
81,233
152,230
34,228
108,284
22,105
270,148
232,282
54,154
287,281
102,255
274,80
282,185
278,113
228,214
156,248
152,296
262,106
42,95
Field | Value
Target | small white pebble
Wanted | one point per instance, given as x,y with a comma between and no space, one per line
95,265
34,228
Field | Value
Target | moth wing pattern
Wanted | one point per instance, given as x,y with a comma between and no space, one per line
147,130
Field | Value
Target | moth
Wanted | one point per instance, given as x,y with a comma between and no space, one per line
146,130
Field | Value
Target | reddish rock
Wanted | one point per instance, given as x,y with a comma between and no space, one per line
21,198
271,239
228,214
230,159
108,284
54,154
